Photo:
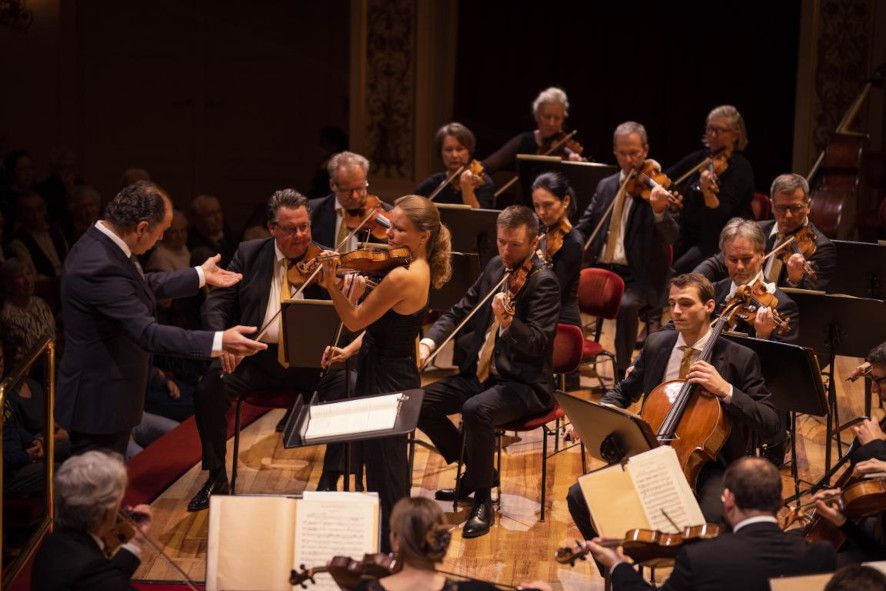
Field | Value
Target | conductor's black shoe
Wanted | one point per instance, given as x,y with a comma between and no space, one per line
479,521
281,424
215,485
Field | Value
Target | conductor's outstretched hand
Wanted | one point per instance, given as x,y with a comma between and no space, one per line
216,276
234,342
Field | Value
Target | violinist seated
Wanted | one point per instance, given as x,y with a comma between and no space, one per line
506,371
267,265
733,375
716,192
869,433
550,110
809,262
742,244
755,551
463,180
89,490
347,206
632,240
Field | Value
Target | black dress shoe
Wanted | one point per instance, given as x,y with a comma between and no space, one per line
281,424
479,521
448,494
213,486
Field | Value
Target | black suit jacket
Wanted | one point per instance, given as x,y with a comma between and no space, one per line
111,332
824,260
786,308
71,560
323,218
743,561
737,365
646,241
246,302
524,352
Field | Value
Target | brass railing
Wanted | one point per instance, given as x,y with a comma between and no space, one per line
47,348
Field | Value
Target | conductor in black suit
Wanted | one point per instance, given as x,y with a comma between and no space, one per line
348,181
790,206
506,372
733,375
89,489
633,240
256,300
755,551
109,305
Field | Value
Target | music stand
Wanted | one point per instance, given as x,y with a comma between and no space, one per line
465,270
862,270
608,433
838,325
790,372
472,230
583,177
307,317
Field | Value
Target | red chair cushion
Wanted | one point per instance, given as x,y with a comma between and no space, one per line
531,423
568,348
599,292
590,349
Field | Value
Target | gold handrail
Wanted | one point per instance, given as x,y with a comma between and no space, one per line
47,347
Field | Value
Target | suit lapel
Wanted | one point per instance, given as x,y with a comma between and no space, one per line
659,363
125,263
264,275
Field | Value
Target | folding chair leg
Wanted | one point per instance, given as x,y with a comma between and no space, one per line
557,436
411,455
544,469
584,460
236,446
461,459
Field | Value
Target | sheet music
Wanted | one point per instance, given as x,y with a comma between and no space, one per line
362,415
661,484
334,524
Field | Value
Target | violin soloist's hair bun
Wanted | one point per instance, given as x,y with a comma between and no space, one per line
436,543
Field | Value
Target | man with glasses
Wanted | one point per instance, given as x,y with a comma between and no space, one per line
710,199
256,301
790,205
347,180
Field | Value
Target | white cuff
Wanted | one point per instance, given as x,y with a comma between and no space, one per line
201,275
728,398
133,549
658,217
217,344
430,344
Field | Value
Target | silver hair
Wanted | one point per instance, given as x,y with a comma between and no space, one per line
87,486
629,127
346,160
736,121
551,95
788,183
747,229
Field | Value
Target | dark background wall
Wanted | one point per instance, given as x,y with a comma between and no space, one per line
663,64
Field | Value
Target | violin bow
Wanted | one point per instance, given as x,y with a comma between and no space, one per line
159,550
550,150
608,213
446,181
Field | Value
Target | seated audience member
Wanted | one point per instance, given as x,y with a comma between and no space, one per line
25,318
84,209
131,176
857,577
755,551
59,186
35,242
171,253
89,490
18,178
151,428
208,234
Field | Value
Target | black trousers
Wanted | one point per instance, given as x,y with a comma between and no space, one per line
84,442
483,407
215,393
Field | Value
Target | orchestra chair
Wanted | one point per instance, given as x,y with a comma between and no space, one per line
567,357
761,205
599,295
269,399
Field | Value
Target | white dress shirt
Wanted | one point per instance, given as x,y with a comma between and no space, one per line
272,334
672,371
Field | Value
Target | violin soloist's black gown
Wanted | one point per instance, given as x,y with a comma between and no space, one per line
387,363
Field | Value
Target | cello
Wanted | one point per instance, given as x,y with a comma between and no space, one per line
835,176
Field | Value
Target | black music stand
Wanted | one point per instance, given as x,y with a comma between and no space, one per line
583,177
405,423
862,270
472,230
303,318
838,325
610,434
793,379
465,270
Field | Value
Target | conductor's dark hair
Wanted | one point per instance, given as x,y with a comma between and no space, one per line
755,483
140,201
285,198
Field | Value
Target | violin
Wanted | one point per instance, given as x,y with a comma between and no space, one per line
295,273
377,225
560,140
747,301
801,242
553,240
347,572
645,545
477,179
716,165
647,177
863,370
516,282
716,162
366,261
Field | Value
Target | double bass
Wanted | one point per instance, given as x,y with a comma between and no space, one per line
835,177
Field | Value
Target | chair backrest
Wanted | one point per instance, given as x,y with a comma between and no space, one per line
599,292
761,206
567,348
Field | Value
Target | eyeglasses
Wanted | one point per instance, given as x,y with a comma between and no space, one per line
794,209
357,190
712,130
292,230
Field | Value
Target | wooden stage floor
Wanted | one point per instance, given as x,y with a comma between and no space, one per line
519,547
